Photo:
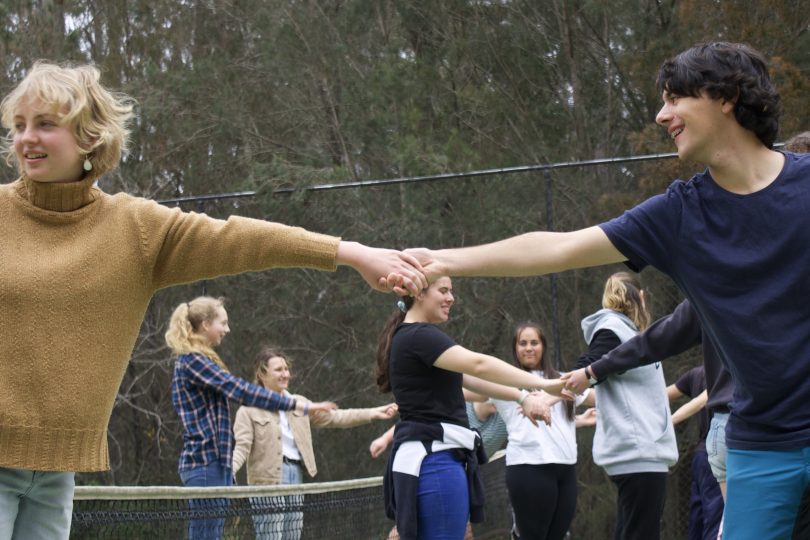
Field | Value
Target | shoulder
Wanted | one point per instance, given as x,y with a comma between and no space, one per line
140,206
419,331
195,358
248,413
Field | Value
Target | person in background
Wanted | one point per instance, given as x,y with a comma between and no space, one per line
432,483
706,499
541,460
201,388
277,446
634,440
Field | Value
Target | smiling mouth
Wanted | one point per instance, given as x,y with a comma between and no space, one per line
676,132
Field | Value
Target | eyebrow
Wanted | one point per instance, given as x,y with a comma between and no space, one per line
39,116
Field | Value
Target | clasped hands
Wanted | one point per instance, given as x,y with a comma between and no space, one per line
576,382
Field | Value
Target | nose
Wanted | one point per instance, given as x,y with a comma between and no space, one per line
27,135
664,115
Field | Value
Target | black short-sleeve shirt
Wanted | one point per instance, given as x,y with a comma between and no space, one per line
424,393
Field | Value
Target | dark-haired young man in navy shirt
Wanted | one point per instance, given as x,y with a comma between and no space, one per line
735,240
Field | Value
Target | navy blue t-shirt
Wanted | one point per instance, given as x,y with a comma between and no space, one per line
743,261
423,392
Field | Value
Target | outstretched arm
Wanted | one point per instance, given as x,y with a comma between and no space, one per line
529,254
492,369
666,337
347,418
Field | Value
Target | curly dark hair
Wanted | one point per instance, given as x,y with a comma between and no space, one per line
730,71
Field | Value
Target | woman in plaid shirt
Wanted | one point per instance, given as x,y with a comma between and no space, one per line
201,387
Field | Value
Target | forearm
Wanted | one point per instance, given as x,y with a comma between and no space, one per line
689,409
343,418
533,253
666,337
490,389
602,343
493,370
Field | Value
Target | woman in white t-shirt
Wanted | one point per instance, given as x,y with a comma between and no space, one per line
540,459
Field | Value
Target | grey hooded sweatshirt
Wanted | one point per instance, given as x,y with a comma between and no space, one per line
634,433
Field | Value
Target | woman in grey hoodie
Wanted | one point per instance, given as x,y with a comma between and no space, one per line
634,440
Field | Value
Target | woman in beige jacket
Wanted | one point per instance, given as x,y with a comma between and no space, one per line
277,446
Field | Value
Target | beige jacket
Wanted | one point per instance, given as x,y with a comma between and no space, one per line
258,439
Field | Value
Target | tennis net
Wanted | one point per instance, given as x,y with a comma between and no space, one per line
351,509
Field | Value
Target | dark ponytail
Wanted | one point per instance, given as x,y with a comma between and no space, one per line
384,343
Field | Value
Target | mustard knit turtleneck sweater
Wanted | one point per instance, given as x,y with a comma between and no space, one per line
77,270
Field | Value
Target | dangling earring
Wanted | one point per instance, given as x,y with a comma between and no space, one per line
88,165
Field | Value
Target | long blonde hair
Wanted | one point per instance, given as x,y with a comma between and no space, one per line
623,293
98,117
183,336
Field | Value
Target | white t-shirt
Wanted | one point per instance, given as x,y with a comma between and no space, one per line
530,445
288,447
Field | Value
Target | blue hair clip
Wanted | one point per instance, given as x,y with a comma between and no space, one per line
402,307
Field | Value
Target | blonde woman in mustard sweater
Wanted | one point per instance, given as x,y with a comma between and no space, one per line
277,446
78,269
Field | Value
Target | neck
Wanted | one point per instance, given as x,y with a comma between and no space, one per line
745,165
414,315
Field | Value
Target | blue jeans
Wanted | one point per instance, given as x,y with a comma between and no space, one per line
284,525
716,445
765,488
35,504
211,475
443,498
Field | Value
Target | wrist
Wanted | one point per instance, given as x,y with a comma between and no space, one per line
592,380
348,253
523,395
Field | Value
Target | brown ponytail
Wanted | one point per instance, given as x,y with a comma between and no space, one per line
384,343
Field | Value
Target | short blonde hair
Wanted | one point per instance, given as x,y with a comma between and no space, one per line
98,117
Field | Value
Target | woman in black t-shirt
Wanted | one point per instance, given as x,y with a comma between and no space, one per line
431,485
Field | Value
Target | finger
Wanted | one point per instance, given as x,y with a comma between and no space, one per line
411,260
403,285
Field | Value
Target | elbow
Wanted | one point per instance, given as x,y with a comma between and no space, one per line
479,367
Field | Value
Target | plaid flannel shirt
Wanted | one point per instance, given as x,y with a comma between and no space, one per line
200,393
